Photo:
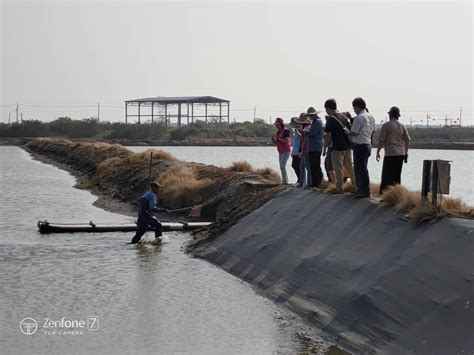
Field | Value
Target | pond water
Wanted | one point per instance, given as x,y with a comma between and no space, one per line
122,298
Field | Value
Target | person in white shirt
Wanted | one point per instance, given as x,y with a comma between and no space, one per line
362,130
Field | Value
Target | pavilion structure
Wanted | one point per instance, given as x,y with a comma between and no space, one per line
186,109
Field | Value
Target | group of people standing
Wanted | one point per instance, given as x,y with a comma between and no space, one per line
346,144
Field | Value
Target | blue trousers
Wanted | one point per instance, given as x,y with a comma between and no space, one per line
305,174
283,159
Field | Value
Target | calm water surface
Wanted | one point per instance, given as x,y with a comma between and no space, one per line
462,166
147,299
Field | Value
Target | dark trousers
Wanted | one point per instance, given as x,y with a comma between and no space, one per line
315,168
142,225
295,164
328,163
361,159
391,171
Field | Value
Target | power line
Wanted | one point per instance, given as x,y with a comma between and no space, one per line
56,106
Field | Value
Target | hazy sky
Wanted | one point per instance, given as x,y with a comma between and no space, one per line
278,57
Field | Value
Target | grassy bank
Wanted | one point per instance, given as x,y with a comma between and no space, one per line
117,174
411,204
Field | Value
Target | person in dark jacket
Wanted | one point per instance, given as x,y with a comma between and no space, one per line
145,214
341,145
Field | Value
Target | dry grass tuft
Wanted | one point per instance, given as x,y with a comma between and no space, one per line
245,167
348,187
401,198
374,189
324,185
105,169
331,189
424,212
241,166
455,207
157,154
420,210
269,172
409,201
181,188
393,195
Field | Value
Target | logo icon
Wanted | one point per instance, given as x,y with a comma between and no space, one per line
28,326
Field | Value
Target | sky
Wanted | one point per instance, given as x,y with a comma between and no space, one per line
277,58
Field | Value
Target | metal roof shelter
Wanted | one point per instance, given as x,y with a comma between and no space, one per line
161,108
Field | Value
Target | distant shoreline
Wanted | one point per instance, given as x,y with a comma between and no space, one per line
439,145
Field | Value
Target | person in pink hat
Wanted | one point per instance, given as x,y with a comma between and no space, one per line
283,143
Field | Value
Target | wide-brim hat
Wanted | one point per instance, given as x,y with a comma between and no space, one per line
303,119
311,111
293,121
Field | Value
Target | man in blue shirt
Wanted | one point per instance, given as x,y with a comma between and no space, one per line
145,214
315,135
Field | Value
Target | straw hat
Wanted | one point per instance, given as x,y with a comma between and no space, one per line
303,119
293,122
311,111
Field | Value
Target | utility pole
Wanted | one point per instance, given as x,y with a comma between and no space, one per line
21,117
460,116
9,115
254,112
17,112
427,120
98,112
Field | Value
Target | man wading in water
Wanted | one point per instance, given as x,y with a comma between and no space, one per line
145,214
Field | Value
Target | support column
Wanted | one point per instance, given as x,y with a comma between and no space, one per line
192,112
426,179
220,112
187,113
126,112
139,104
152,111
228,114
166,115
205,105
179,115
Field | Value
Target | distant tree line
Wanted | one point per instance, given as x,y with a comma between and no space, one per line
66,127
